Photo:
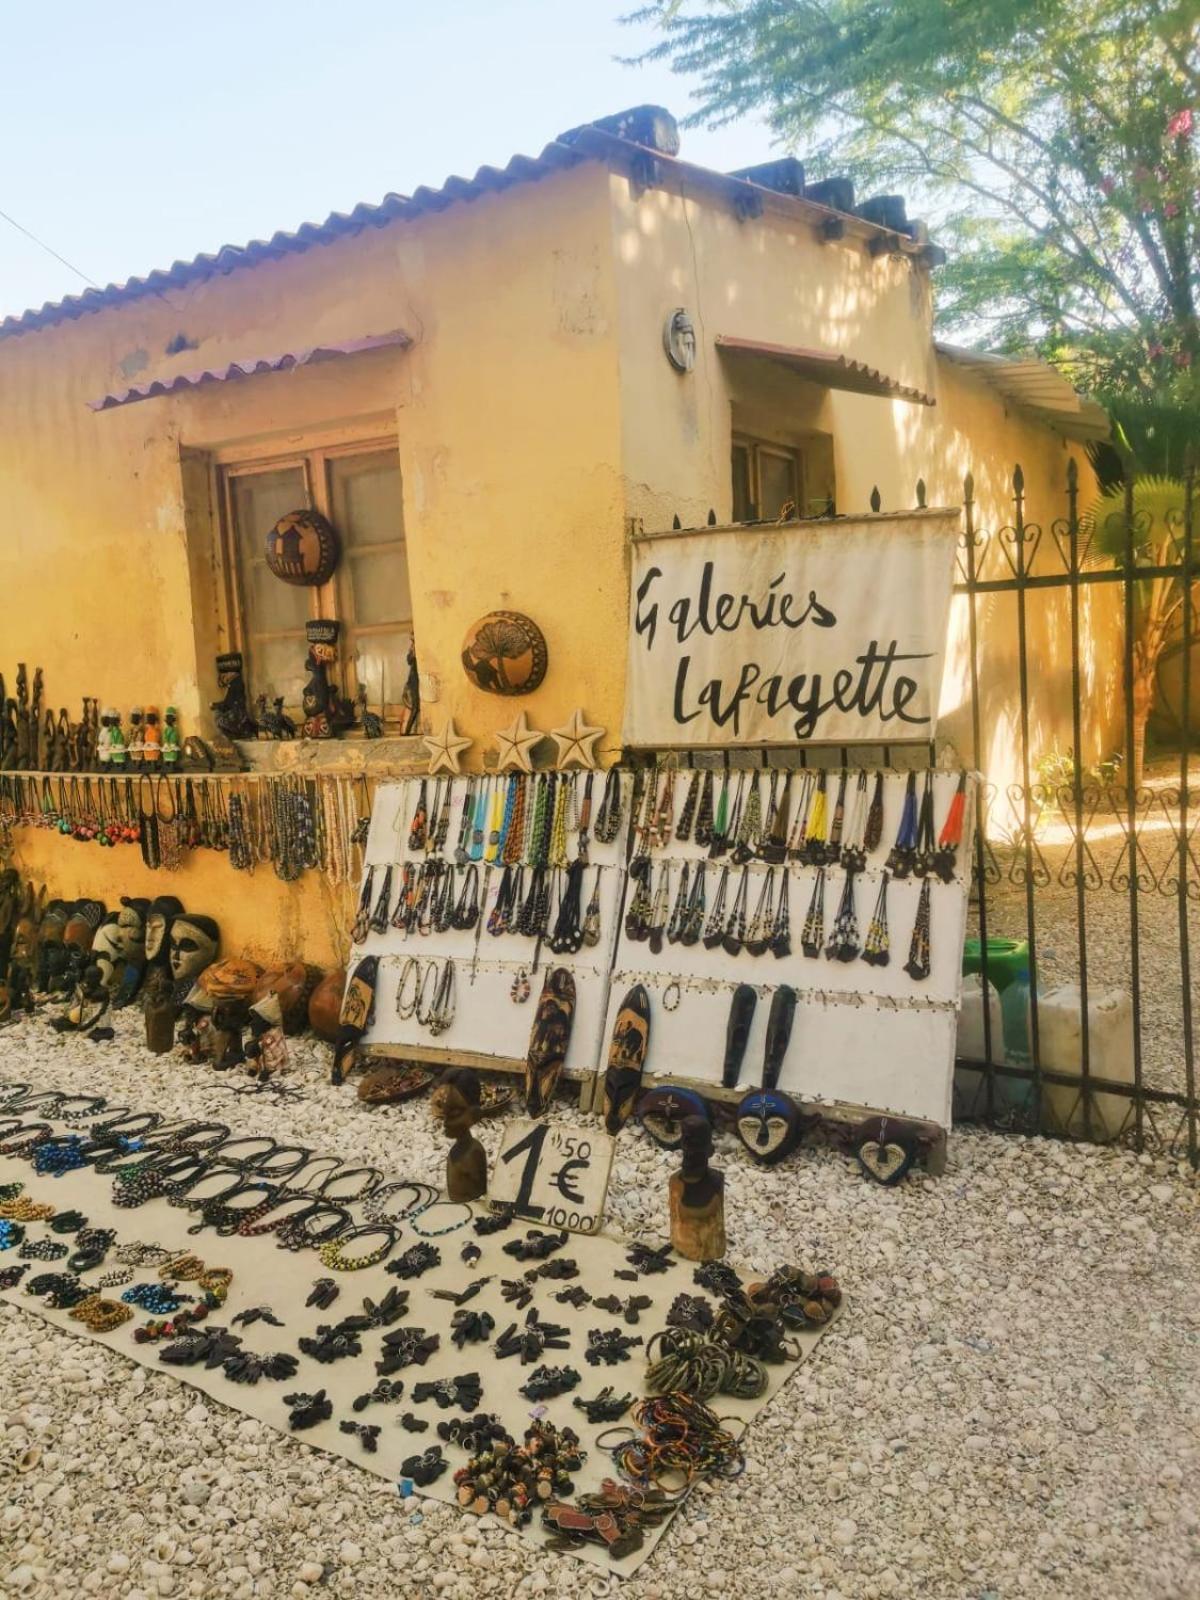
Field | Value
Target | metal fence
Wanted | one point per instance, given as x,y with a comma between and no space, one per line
1090,863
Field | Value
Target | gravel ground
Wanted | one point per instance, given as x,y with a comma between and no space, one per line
1107,913
1010,1404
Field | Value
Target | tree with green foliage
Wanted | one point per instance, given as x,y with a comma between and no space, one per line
1055,141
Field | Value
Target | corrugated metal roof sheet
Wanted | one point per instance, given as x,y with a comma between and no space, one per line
588,143
827,367
1038,389
154,387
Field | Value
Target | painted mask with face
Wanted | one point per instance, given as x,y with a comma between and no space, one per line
769,1125
160,919
194,945
108,953
131,927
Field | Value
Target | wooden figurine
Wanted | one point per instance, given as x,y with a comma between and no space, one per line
326,713
24,742
273,723
8,737
697,1196
160,1011
410,700
36,762
172,745
230,1019
152,741
60,744
231,712
458,1104
135,745
372,724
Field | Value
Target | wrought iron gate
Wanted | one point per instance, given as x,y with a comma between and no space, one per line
1094,867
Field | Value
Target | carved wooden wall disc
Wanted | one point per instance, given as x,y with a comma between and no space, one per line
303,548
505,653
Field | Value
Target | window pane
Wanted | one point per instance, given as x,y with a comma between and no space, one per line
777,481
743,507
381,666
277,668
380,584
269,605
366,499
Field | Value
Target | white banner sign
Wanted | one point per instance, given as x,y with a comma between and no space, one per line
829,632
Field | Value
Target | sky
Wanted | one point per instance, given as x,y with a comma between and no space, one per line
135,134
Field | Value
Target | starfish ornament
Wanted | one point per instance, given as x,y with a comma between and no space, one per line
513,745
446,748
576,741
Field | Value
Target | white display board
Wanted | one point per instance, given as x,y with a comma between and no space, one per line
487,1024
862,1034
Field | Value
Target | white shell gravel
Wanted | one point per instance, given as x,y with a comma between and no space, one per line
1008,1407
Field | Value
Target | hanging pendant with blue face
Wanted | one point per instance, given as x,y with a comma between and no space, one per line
661,1113
769,1125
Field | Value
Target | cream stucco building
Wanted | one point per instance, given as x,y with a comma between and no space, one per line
489,412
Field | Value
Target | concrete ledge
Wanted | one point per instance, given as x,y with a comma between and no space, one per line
374,757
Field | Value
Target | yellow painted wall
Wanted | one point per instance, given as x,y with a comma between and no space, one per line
506,413
771,280
534,413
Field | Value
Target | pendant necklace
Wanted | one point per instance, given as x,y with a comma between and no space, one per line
816,829
383,906
854,854
703,831
608,818
362,918
758,936
735,932
948,840
658,913
714,928
876,946
693,919
797,840
781,931
591,917
843,941
683,828
874,829
679,909
918,963
464,824
813,936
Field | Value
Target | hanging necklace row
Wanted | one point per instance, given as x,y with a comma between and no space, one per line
294,823
515,819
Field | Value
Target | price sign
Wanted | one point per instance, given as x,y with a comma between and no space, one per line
553,1174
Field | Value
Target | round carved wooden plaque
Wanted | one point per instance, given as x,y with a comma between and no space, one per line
505,653
303,548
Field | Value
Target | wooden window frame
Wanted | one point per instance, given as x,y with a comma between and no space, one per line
331,600
755,448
